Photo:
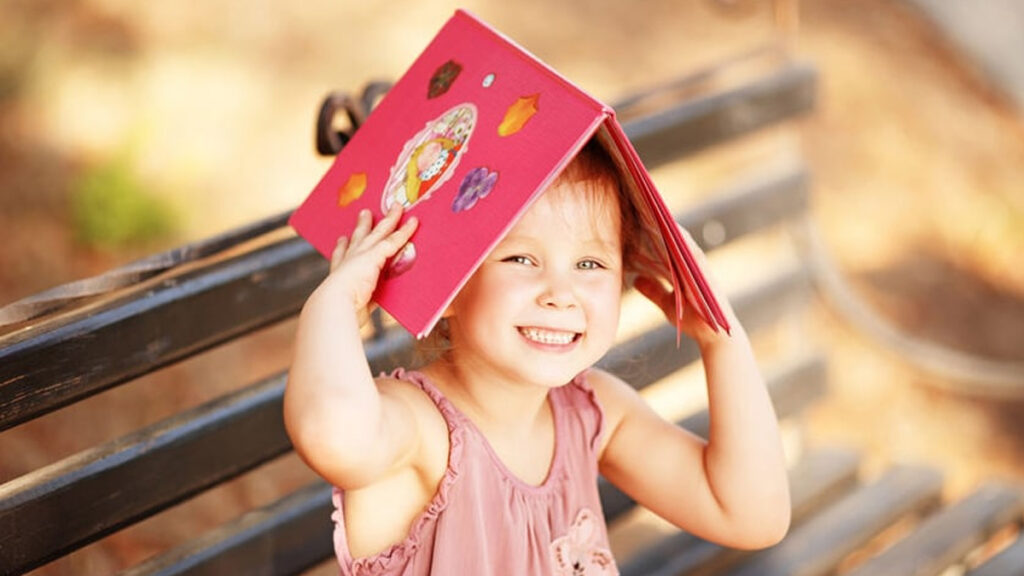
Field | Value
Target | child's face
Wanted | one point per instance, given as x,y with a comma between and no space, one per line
544,305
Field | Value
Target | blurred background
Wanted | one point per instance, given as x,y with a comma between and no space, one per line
128,128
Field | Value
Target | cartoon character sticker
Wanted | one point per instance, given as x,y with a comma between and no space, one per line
429,158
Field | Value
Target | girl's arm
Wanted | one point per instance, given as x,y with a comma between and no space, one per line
730,489
347,428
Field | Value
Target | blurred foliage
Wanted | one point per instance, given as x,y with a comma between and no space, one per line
111,208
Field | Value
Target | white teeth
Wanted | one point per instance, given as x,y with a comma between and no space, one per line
548,336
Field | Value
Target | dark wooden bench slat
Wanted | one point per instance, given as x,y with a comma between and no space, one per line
818,477
766,202
650,356
817,546
83,353
287,537
1008,562
947,536
88,351
787,92
821,477
116,484
792,388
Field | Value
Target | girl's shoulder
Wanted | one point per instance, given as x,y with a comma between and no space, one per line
616,398
416,390
610,390
417,387
430,411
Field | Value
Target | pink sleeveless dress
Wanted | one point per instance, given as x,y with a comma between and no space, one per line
484,521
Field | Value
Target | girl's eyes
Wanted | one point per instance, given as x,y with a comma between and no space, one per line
586,264
518,259
589,265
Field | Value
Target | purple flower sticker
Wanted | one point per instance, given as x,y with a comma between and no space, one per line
477,184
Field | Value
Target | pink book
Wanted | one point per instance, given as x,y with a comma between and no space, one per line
469,136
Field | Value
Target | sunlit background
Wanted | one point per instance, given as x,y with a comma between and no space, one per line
128,128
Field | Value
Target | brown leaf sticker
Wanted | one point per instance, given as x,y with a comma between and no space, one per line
443,77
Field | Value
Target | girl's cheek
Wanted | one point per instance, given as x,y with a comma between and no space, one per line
604,284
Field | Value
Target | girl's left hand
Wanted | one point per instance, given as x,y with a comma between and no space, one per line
665,299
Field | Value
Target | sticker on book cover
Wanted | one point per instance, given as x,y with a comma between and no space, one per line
518,114
402,262
430,157
478,183
443,78
352,189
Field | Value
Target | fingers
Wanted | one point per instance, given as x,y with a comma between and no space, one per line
386,226
382,240
363,222
695,248
654,291
709,277
366,232
399,238
339,252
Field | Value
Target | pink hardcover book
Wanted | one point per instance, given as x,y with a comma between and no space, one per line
469,136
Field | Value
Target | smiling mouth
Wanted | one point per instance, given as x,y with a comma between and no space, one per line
552,337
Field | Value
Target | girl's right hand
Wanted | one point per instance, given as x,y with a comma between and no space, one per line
342,423
357,261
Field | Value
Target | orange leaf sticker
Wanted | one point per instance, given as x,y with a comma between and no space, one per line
352,190
518,114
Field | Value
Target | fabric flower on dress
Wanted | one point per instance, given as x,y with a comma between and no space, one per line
578,553
477,184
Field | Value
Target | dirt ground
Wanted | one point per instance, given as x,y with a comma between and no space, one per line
917,164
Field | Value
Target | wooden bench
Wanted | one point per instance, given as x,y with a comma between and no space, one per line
896,522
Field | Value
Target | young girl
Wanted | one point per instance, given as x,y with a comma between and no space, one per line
486,460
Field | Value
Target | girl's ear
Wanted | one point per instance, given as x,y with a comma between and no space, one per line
448,312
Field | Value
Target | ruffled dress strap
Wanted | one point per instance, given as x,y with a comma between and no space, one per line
391,559
579,399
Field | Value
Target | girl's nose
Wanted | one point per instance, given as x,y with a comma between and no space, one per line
557,291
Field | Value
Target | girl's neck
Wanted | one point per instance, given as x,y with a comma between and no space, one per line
492,402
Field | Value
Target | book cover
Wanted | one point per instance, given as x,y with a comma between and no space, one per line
466,139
